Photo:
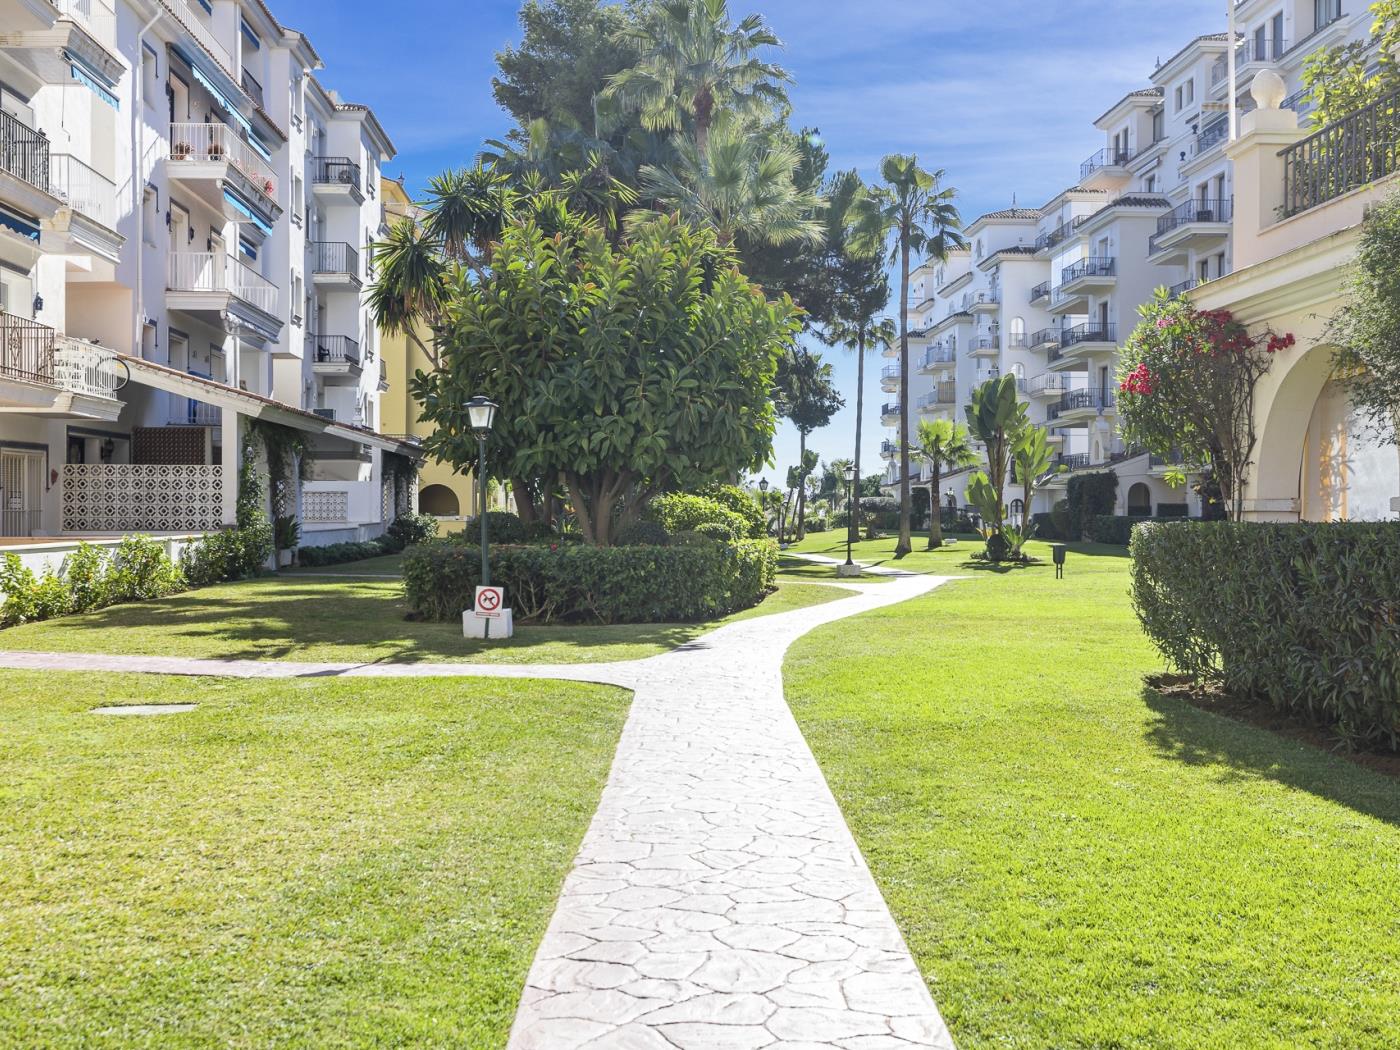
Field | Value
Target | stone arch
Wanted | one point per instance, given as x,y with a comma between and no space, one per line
1284,406
1139,500
440,501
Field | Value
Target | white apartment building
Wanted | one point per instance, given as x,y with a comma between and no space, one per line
1050,294
184,217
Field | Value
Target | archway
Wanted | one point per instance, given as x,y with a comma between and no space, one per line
1139,500
439,501
1274,490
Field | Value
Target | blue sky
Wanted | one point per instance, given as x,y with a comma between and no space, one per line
1000,93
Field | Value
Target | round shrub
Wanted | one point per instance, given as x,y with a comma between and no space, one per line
534,532
691,538
643,534
502,527
741,502
408,529
684,511
717,530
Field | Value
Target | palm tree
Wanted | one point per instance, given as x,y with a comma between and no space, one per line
911,212
740,181
944,445
693,63
1032,459
860,334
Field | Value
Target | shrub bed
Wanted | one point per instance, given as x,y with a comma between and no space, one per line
686,512
693,579
1304,617
1117,529
90,578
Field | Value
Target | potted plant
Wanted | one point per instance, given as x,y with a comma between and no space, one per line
216,151
286,535
182,150
268,187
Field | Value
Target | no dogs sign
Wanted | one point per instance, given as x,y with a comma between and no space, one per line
490,601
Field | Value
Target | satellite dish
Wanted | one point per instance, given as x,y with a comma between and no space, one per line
115,371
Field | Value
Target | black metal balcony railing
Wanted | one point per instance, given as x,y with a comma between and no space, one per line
338,170
890,372
1212,135
889,448
1182,288
1094,266
1192,212
1080,400
254,89
1104,158
24,152
26,349
1046,337
335,257
1089,332
1072,460
1040,291
333,349
890,408
1059,233
1343,156
939,355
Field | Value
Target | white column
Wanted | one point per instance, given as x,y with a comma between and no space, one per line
232,460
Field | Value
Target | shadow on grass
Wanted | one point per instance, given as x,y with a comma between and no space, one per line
1187,734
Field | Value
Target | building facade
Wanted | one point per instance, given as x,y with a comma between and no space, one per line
1050,294
185,215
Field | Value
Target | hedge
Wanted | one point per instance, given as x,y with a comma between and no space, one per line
1117,529
693,579
1087,497
1305,617
686,512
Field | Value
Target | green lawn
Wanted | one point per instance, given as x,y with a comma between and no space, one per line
386,565
1078,862
295,863
946,561
350,620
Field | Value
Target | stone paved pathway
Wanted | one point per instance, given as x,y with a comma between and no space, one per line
718,901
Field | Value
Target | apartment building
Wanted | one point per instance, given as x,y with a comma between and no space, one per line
184,216
1153,208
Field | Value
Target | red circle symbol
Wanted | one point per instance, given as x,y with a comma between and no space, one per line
490,601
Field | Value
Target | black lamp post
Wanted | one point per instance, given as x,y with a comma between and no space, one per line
481,411
851,524
763,496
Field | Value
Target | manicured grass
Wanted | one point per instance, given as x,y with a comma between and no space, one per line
1077,862
945,561
387,565
796,569
295,863
349,620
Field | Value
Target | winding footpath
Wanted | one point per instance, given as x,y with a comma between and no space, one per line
718,901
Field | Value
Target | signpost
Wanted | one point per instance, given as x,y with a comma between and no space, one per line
490,601
489,616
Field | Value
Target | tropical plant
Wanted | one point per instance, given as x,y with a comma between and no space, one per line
1343,78
911,212
995,418
1187,381
943,445
806,396
628,369
1032,458
740,181
694,63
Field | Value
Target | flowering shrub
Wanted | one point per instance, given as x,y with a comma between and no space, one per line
1186,383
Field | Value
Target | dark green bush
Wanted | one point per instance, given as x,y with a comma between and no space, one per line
575,583
536,532
408,529
684,512
501,526
1047,527
1304,617
1088,496
339,553
719,531
232,554
1117,529
741,502
643,534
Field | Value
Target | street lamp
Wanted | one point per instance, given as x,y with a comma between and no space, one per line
851,522
763,497
481,411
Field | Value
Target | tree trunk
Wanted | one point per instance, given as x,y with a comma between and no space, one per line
704,115
524,500
853,508
905,544
802,488
935,508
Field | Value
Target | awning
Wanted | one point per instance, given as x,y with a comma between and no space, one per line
244,208
219,97
93,80
25,229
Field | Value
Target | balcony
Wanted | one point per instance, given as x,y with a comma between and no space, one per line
1040,292
192,15
45,38
1080,280
1049,384
1060,234
1178,290
1343,156
1045,339
889,378
1081,342
211,159
337,179
213,284
889,449
334,263
25,170
942,398
1071,461
984,302
1258,51
50,374
1079,406
889,413
26,349
1198,224
985,346
187,412
1110,161
937,358
336,358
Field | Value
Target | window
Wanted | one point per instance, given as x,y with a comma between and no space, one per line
1261,43
151,81
151,200
1150,185
1190,89
298,205
1178,98
1325,12
251,38
1203,271
247,250
1159,125
1279,45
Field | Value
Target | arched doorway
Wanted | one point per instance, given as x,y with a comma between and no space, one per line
1139,500
439,501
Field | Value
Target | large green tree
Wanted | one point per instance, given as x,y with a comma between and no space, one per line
693,63
621,370
806,395
943,445
911,211
997,419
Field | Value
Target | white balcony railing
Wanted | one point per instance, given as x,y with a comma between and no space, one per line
220,142
85,189
193,20
214,272
85,368
96,16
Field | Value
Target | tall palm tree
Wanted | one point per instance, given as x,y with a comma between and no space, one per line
740,181
944,445
860,334
911,212
693,63
408,288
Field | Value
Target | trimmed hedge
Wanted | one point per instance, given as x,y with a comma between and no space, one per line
1088,496
691,580
339,553
686,512
741,502
1117,529
1304,617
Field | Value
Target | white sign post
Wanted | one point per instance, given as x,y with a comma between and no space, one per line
489,617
